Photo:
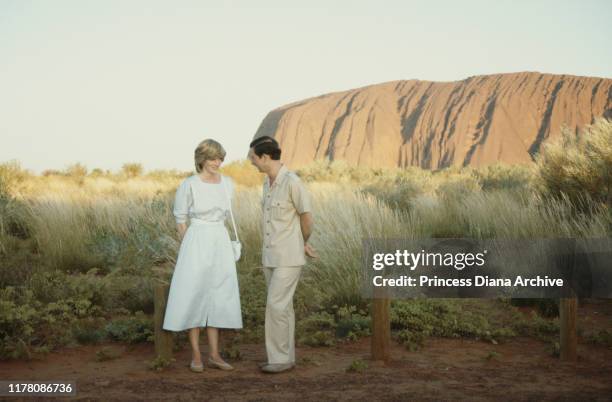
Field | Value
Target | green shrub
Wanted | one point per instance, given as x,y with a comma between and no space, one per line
357,366
579,165
537,327
132,329
318,329
352,324
506,177
415,320
457,187
160,363
13,211
130,292
397,193
545,307
48,285
54,285
28,326
89,330
19,320
18,261
412,340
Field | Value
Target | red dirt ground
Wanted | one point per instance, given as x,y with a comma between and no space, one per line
521,369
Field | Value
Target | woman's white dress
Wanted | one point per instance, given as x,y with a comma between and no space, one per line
204,289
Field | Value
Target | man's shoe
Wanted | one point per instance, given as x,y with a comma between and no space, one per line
262,364
277,368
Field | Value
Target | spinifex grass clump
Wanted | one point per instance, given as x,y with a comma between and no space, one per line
579,165
344,218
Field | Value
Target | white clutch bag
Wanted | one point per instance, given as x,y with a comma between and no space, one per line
236,246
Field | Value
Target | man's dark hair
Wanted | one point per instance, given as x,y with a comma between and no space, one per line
266,145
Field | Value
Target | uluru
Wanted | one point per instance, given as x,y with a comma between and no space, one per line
477,121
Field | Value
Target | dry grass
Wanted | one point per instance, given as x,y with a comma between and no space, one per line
579,165
55,229
79,224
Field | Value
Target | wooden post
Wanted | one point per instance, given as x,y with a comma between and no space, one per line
568,309
381,326
163,339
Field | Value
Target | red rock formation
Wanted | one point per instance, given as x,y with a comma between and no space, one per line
477,121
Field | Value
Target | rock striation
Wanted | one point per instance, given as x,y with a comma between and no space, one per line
476,122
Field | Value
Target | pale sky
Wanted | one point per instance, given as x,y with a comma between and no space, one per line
113,81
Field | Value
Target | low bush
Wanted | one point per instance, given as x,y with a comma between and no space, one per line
415,320
28,326
506,177
357,366
351,323
318,329
579,165
89,330
131,329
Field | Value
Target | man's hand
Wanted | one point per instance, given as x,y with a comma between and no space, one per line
306,224
310,251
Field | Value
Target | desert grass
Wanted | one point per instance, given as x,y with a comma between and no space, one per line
87,245
579,164
107,224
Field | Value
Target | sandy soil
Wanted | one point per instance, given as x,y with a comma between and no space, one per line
521,369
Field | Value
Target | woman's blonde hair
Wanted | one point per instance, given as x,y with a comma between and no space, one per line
208,150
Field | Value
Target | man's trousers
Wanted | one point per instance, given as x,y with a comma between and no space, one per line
280,317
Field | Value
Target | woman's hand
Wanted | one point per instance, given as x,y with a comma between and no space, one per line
181,228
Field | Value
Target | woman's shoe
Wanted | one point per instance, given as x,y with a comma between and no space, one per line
196,368
222,366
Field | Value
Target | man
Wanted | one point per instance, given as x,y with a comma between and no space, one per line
287,225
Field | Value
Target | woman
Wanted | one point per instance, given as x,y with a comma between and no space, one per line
204,288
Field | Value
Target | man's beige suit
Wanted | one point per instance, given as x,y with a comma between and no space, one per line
282,258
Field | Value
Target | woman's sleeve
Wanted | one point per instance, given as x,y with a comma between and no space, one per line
182,202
